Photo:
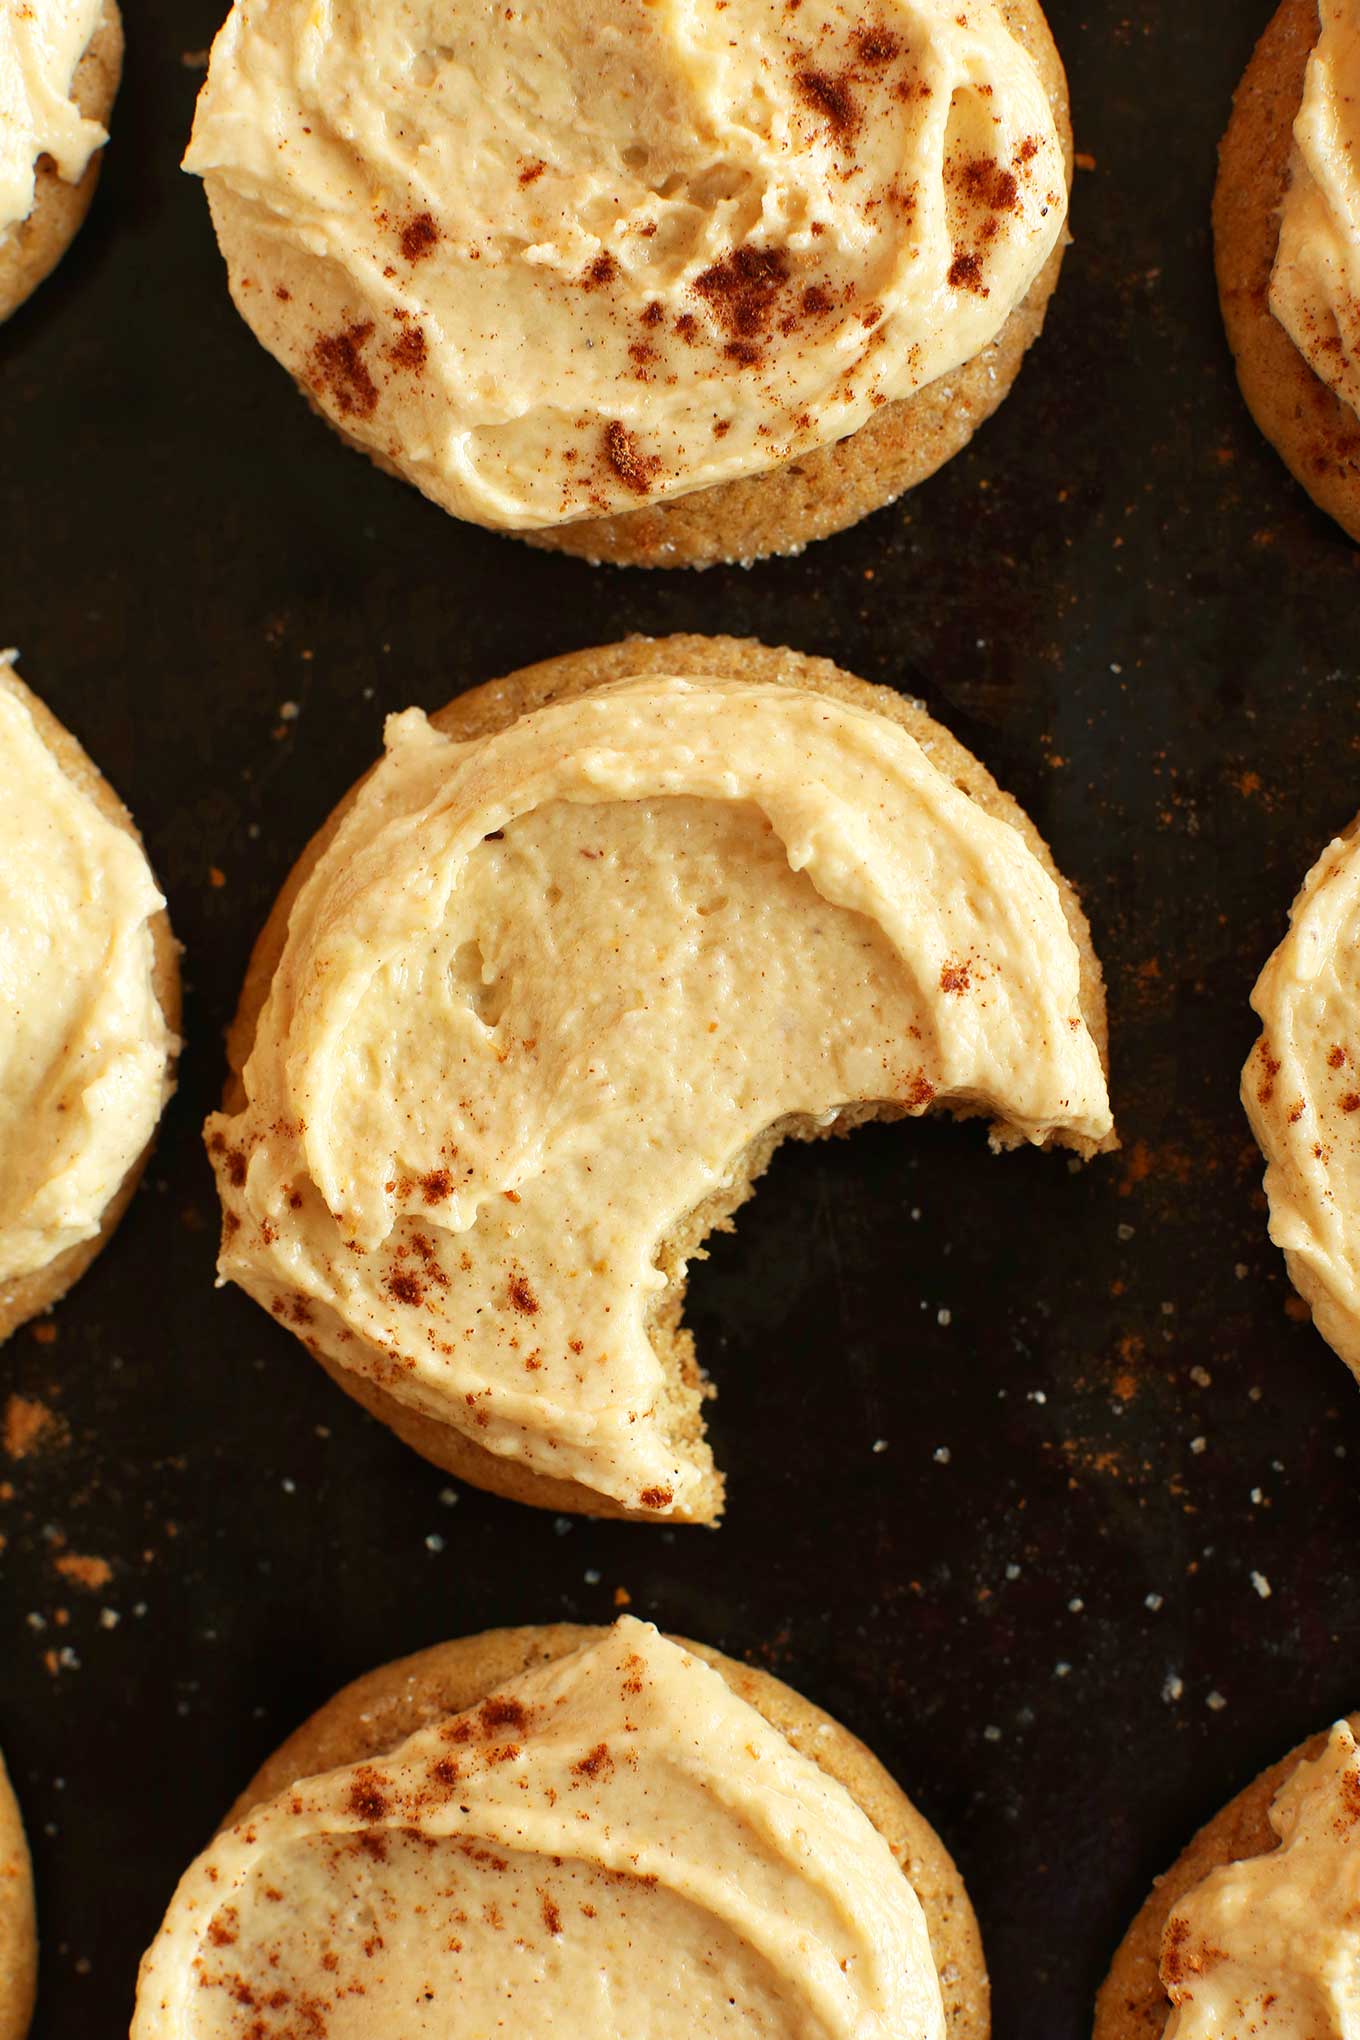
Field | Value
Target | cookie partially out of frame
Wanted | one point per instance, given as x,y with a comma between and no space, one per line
1316,435
378,1712
834,486
34,246
18,1922
26,1295
495,706
1132,2004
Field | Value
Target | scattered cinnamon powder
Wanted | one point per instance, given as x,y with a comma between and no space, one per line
965,273
597,1763
367,1798
634,469
409,350
501,1712
741,290
339,371
988,184
830,97
88,1573
522,1296
30,1426
876,45
419,236
601,271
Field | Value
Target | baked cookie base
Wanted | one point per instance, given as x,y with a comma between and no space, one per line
371,1717
27,1295
34,246
18,1921
1316,435
493,707
1132,2004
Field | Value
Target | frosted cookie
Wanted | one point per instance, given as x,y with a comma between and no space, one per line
594,1832
60,63
18,1922
91,1007
649,284
1287,246
1301,1090
1252,1934
541,999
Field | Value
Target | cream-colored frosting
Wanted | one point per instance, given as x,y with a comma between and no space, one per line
1301,1089
614,1844
1315,286
571,255
543,990
1269,1948
84,1048
41,42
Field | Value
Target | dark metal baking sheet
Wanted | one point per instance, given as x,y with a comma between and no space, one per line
1103,1567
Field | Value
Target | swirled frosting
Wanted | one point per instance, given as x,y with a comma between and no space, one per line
614,1844
1301,1090
544,989
41,42
1268,1947
1315,285
84,1047
564,257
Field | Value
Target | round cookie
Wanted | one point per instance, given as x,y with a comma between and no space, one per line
1132,2004
494,706
36,244
377,1712
833,486
1316,435
18,1923
27,1295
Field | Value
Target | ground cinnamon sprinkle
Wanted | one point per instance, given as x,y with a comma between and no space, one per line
634,469
522,1296
405,1287
30,1426
742,291
831,97
339,370
409,350
601,271
88,1573
876,45
965,273
988,184
419,236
